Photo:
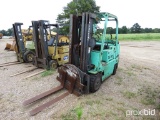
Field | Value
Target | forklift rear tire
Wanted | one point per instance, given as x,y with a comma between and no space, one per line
115,69
28,56
95,82
53,64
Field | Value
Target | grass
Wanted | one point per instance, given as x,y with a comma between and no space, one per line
158,107
130,73
136,66
122,110
148,101
119,80
139,67
47,73
129,95
92,102
74,114
109,99
149,95
141,36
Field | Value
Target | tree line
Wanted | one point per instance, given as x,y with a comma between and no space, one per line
136,28
8,32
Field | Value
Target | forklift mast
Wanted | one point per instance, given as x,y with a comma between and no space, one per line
42,57
81,40
82,45
19,41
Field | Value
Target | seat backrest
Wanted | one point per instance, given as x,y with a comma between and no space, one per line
51,41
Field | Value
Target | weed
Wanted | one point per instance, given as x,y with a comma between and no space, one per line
47,73
79,112
129,95
73,114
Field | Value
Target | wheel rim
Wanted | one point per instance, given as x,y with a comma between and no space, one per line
30,57
54,65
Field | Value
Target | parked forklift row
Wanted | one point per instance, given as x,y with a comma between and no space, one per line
90,58
41,46
87,58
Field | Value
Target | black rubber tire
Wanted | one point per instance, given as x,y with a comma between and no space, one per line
29,56
115,69
53,64
95,82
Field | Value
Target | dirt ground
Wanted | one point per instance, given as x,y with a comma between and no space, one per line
135,87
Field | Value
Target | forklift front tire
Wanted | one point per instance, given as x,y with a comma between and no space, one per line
28,56
53,64
95,82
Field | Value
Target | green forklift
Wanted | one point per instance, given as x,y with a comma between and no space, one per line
93,56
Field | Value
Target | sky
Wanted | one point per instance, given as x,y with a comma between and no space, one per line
144,12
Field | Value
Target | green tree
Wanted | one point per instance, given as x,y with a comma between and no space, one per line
136,28
9,31
156,30
148,30
124,29
110,30
4,32
75,7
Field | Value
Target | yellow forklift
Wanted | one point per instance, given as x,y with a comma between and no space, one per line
49,52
